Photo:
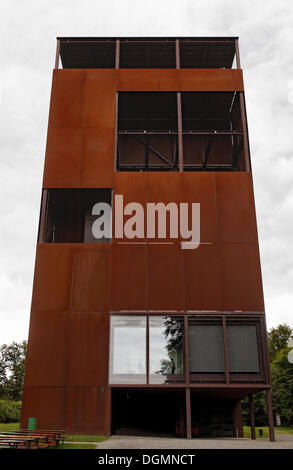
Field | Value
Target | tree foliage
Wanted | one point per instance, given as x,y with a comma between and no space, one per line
282,390
282,381
12,368
278,339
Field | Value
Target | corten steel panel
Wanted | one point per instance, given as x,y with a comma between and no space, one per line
128,277
100,99
88,411
47,351
210,80
52,280
67,98
164,187
138,80
200,187
90,282
202,278
97,164
237,221
166,277
46,404
88,349
168,80
133,186
241,277
63,157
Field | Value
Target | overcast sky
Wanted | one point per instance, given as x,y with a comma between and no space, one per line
28,32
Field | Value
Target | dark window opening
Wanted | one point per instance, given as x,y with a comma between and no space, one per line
151,53
67,215
147,131
147,54
207,54
150,136
212,132
88,54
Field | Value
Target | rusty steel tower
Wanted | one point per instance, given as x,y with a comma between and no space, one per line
141,334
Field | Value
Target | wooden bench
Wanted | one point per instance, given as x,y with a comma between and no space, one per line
16,442
31,438
32,441
57,435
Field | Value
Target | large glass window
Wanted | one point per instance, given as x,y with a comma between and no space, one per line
128,349
151,349
206,347
166,349
242,348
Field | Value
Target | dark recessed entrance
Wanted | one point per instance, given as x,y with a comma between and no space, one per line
163,413
148,412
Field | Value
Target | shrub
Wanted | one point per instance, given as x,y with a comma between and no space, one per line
10,411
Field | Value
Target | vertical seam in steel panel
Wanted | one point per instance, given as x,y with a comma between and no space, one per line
183,254
83,127
219,244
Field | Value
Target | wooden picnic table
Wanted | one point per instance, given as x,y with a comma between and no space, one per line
16,442
33,438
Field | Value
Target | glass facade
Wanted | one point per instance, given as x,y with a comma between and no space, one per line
151,349
128,350
206,347
166,349
242,348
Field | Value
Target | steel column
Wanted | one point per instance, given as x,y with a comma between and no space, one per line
180,138
179,112
226,356
57,54
245,132
117,54
270,415
238,65
188,413
251,412
177,49
147,349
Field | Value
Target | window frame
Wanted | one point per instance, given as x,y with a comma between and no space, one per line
192,379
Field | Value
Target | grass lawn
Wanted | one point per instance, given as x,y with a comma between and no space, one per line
67,445
6,427
283,430
278,430
85,438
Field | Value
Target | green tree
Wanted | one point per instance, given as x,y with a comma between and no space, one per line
278,338
12,369
260,410
282,389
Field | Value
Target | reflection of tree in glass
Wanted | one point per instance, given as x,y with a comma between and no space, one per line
173,346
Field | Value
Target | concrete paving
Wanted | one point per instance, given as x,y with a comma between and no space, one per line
283,441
